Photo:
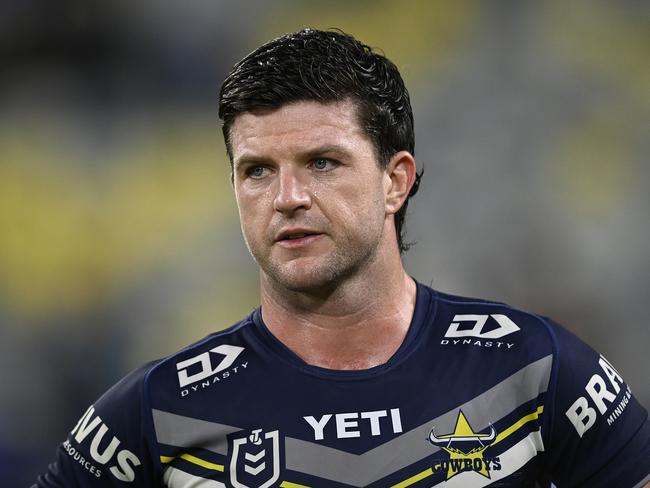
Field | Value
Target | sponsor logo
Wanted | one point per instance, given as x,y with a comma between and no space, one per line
483,329
255,460
582,414
78,457
121,462
466,450
505,326
347,425
200,369
477,343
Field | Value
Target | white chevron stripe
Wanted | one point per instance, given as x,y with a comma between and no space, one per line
175,478
253,458
254,471
511,460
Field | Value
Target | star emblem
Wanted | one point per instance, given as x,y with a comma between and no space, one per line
465,447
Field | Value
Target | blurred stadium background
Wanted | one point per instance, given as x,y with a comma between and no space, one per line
119,238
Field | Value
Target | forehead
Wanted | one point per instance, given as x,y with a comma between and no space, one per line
297,126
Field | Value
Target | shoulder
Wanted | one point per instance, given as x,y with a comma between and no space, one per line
492,345
215,353
124,414
575,371
590,417
496,325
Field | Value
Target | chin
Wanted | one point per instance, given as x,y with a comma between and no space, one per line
319,274
306,282
307,277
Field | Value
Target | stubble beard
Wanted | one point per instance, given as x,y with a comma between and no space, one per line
321,275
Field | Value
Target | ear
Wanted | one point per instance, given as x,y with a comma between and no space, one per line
399,177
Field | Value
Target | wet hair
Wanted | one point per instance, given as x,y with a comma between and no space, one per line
326,67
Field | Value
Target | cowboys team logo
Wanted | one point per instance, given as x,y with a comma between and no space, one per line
255,460
465,448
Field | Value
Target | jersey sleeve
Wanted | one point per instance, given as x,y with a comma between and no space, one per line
598,434
110,445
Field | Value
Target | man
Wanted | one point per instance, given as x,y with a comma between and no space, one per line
350,373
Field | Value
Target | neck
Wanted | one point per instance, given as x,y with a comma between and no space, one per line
357,325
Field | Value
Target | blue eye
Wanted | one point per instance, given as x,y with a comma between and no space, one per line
322,164
256,171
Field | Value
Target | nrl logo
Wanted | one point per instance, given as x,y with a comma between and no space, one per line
465,448
255,461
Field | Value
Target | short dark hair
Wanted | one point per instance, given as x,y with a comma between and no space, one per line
326,66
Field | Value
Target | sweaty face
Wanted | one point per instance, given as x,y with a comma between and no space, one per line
310,193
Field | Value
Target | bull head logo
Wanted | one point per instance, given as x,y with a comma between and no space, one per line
464,446
462,434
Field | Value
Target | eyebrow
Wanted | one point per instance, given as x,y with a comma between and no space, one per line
250,159
327,149
334,149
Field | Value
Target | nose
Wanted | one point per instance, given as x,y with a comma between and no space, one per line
292,193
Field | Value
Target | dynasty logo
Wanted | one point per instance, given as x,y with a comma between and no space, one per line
199,372
465,448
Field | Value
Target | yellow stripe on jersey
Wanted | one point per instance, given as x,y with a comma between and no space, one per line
194,460
517,425
217,467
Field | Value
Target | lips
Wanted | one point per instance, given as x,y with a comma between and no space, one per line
292,237
296,236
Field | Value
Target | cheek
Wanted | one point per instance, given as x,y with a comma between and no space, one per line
249,215
360,206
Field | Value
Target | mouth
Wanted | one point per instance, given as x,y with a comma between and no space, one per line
293,237
297,237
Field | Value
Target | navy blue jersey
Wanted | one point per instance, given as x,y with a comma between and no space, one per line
479,394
